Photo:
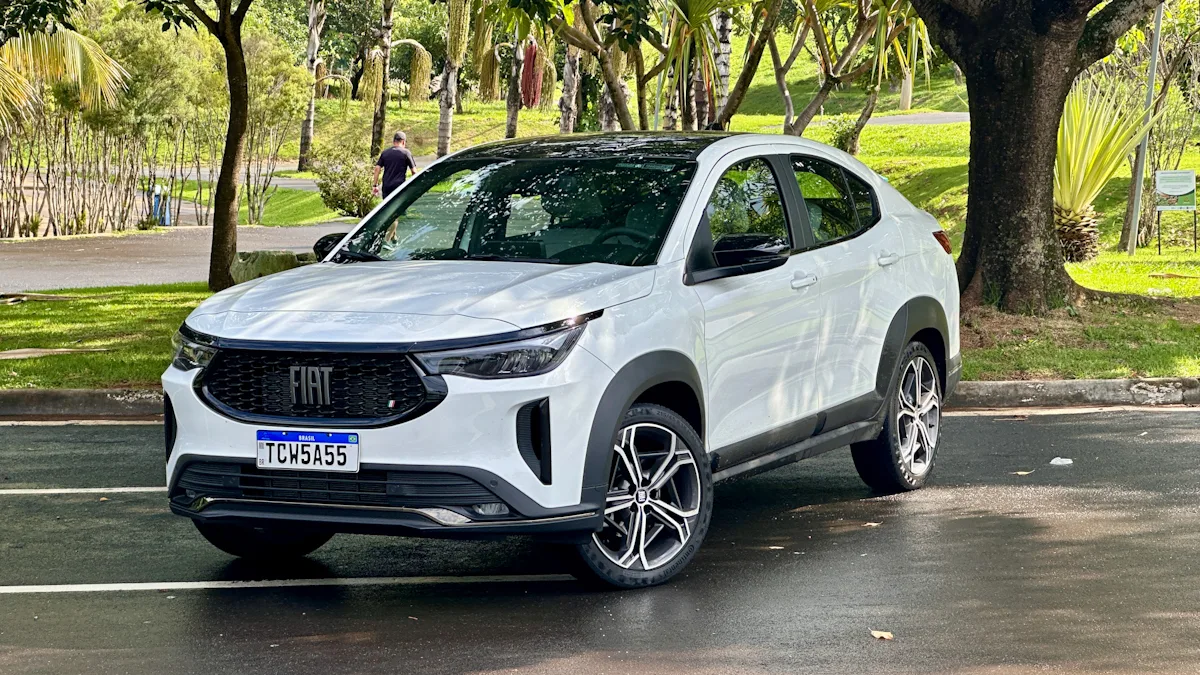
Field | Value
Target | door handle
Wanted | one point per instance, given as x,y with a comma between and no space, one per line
886,259
801,280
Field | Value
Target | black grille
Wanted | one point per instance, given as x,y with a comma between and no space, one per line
362,387
366,488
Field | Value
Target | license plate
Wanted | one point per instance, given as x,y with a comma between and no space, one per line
308,450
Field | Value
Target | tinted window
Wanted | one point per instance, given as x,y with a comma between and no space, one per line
830,208
745,211
864,201
551,210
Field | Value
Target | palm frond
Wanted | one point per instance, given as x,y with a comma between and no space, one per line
65,55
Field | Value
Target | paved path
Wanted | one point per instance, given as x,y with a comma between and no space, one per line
1093,568
179,254
922,118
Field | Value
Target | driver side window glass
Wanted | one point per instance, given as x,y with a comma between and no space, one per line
433,220
746,211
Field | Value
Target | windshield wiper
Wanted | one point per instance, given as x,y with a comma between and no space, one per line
358,256
506,258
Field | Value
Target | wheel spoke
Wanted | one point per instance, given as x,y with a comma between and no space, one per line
674,510
616,503
666,461
633,539
680,459
681,526
630,459
641,540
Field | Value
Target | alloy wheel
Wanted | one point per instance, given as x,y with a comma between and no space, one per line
653,499
919,417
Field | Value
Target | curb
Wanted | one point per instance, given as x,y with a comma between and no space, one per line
80,403
1035,393
142,403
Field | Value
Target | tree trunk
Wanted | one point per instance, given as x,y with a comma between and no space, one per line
316,23
814,106
1011,255
612,79
781,71
906,91
861,122
700,94
225,206
446,102
639,76
750,67
723,23
385,45
512,102
570,90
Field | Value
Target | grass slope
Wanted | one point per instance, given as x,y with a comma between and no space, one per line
286,207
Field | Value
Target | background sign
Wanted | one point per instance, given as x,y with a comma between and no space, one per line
1175,190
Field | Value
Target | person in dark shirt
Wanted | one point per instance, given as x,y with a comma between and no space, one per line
396,162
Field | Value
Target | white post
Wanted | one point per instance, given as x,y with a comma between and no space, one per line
1139,170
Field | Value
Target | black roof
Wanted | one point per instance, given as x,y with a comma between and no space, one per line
664,144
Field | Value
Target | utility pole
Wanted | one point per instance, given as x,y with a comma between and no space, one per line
1139,171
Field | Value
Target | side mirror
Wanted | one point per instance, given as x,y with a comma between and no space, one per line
761,262
327,243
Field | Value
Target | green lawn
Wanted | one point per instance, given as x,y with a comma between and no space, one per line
286,207
134,322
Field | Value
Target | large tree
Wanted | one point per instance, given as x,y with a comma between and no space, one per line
1020,58
316,24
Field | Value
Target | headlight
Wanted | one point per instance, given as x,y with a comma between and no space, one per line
532,356
189,353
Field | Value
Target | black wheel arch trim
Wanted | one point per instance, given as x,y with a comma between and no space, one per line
915,316
631,381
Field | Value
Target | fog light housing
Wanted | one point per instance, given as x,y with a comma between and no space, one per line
494,509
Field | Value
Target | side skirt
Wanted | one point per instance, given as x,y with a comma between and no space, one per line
832,440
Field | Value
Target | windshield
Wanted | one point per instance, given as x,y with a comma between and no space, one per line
569,211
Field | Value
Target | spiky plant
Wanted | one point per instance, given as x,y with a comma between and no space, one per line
1098,131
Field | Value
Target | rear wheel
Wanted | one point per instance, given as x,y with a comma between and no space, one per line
658,505
265,542
902,457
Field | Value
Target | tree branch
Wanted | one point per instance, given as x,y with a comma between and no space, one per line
1111,22
202,16
239,14
952,25
573,36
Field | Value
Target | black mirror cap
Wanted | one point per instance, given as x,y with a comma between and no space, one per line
767,261
327,243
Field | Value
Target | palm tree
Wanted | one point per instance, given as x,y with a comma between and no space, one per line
690,38
62,55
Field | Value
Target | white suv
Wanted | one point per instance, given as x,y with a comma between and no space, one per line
570,337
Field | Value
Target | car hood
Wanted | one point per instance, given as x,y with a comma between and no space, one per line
414,301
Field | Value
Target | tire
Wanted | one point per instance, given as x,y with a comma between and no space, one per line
673,501
901,459
263,543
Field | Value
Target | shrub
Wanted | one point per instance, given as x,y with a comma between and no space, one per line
345,184
841,131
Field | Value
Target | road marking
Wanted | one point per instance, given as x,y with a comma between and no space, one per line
79,491
279,583
1068,410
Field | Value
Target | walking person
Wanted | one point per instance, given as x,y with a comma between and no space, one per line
396,163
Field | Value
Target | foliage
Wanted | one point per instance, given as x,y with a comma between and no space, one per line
32,60
1095,136
345,183
34,16
841,131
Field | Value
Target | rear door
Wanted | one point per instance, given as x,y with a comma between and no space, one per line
855,252
761,330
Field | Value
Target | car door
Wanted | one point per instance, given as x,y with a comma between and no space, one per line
760,329
855,252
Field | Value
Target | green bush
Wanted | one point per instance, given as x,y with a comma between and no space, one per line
345,184
841,131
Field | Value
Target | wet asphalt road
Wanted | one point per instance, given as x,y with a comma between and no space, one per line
1091,568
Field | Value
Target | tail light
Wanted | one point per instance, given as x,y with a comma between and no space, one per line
943,239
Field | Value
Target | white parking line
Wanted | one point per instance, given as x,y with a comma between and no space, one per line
79,423
79,491
279,583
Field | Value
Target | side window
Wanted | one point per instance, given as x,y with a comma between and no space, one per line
746,212
864,201
831,213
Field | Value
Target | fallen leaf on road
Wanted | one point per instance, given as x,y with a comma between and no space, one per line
414,618
882,635
775,548
1022,473
872,524
104,499
1061,461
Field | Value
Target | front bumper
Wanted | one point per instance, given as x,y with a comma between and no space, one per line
472,432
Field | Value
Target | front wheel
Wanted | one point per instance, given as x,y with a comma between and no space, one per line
658,505
902,457
265,542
